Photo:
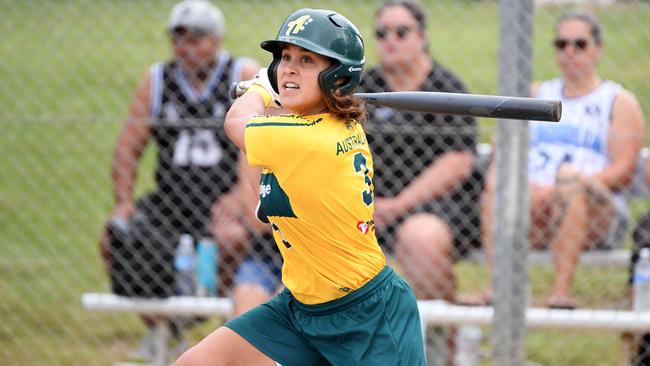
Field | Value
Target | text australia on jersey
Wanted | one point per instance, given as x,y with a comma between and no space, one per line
350,143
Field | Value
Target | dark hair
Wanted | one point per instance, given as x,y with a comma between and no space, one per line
592,21
346,107
413,6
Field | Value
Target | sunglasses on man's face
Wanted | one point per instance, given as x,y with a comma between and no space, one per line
183,32
579,44
401,31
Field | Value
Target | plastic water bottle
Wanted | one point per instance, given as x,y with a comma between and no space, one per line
206,270
641,281
185,266
468,345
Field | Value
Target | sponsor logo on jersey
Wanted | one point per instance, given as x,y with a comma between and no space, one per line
265,190
366,226
345,289
273,200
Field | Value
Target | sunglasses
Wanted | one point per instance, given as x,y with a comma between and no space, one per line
579,44
401,31
181,32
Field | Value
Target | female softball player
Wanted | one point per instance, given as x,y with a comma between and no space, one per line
342,305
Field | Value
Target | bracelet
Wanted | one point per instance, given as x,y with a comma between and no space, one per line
255,88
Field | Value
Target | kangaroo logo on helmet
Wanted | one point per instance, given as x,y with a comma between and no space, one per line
298,25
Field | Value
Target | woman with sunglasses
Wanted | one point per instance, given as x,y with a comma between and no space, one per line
426,206
577,168
342,305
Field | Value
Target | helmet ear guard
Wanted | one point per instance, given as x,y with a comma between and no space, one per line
329,79
272,70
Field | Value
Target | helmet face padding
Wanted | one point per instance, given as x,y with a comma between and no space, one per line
326,33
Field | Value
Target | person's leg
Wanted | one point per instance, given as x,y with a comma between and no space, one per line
230,257
487,223
542,226
570,212
582,212
247,296
136,251
541,199
224,347
232,237
423,249
260,336
256,281
424,252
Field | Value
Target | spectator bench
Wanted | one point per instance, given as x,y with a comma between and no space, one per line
432,312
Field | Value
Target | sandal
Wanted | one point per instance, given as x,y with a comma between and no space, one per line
562,302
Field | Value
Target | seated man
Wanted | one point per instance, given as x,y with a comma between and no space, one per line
180,105
577,167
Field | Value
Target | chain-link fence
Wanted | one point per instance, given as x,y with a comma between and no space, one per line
73,70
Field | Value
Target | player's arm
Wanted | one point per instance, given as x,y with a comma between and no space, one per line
130,144
255,100
624,142
243,109
249,182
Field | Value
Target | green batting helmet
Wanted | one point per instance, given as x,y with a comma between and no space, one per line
326,33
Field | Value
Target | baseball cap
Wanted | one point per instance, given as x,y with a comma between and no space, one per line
197,14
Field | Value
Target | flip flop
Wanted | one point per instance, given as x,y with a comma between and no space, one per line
566,303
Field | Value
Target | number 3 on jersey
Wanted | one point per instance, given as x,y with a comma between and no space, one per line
360,166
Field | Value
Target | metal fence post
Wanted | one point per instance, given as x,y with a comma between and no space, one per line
511,223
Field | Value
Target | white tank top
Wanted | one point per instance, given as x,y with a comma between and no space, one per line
579,139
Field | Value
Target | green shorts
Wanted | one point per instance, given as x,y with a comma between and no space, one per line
378,324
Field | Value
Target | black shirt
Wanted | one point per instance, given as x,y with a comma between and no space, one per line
404,143
196,161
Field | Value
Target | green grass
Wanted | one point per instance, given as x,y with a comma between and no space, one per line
68,68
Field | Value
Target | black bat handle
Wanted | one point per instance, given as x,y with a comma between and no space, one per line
233,91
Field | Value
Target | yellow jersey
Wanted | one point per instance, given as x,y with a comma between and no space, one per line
316,191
